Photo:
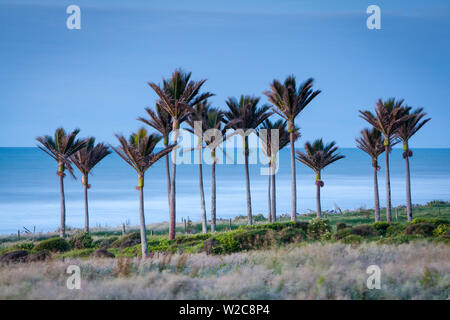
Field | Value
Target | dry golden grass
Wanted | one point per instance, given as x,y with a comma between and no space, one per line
419,270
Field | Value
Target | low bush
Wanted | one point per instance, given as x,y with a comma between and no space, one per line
352,239
81,241
128,240
342,225
319,229
53,245
364,230
342,233
28,246
381,227
289,235
441,230
395,229
77,253
434,221
423,229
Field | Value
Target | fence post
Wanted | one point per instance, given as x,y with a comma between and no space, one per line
18,235
396,214
123,229
230,224
185,226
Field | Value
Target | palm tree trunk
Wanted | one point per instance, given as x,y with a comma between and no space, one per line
172,206
166,143
293,176
202,193
62,230
376,195
213,192
408,191
388,186
142,218
247,181
86,209
274,199
269,203
319,209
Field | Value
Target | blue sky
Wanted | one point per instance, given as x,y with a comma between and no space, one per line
95,78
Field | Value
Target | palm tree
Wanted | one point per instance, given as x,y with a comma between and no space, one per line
198,115
289,102
60,148
244,115
85,160
161,121
271,152
389,115
138,152
405,131
177,96
371,142
317,156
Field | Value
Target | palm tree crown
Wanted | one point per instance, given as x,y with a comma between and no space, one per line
409,127
371,142
87,158
388,117
290,100
61,147
244,113
318,155
138,150
160,120
179,94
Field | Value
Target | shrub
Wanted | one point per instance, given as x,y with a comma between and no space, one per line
81,241
105,243
364,230
342,233
291,235
77,253
441,230
319,229
381,227
128,240
395,229
342,225
28,246
352,239
259,217
423,229
434,221
52,244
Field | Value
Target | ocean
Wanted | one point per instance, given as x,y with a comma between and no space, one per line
29,188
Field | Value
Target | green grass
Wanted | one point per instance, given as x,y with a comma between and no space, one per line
262,235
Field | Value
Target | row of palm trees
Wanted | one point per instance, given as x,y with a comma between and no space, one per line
180,100
392,122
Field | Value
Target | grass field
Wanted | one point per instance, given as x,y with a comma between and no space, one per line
310,259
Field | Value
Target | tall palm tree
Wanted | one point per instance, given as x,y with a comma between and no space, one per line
270,149
60,148
244,114
161,121
371,142
177,96
389,115
138,152
317,156
405,131
198,115
85,160
289,101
